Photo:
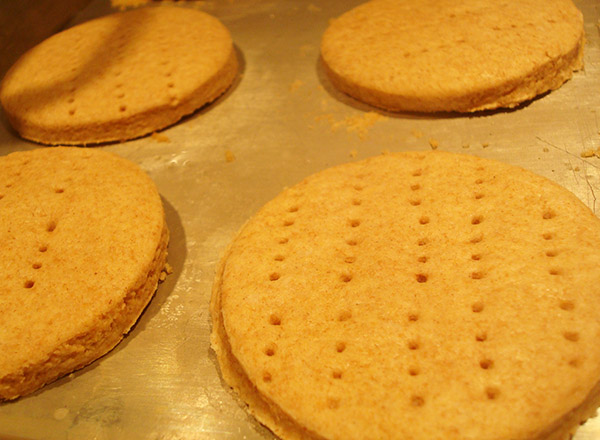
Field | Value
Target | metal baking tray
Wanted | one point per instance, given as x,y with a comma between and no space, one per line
280,122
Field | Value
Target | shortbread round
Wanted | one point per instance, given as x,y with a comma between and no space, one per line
446,55
83,243
119,77
414,296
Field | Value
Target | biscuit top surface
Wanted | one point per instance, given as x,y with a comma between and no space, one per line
418,296
440,49
78,229
116,66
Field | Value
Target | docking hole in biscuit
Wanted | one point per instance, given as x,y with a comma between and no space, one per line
481,336
492,393
344,315
486,364
270,349
346,277
477,307
571,336
567,305
413,345
417,401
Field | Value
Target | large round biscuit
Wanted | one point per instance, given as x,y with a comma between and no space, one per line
414,296
83,242
119,77
447,55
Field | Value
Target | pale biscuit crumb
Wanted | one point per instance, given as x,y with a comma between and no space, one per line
160,137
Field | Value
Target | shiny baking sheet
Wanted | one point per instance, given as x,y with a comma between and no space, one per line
280,122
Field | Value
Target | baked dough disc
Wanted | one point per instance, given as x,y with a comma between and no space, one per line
446,55
119,77
414,296
84,241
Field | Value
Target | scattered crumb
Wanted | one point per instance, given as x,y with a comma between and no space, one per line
353,153
417,133
546,149
313,8
305,49
434,144
576,168
61,413
591,153
168,270
296,85
359,123
229,156
159,137
485,144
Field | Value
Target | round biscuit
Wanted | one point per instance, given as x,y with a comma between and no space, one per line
431,56
414,296
119,77
83,242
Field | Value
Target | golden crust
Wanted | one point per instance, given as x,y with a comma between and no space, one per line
372,297
453,56
84,242
119,77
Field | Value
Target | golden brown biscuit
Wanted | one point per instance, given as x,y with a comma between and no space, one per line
414,296
83,243
429,56
119,77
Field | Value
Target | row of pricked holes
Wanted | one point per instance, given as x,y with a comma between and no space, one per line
279,257
566,305
274,319
50,227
